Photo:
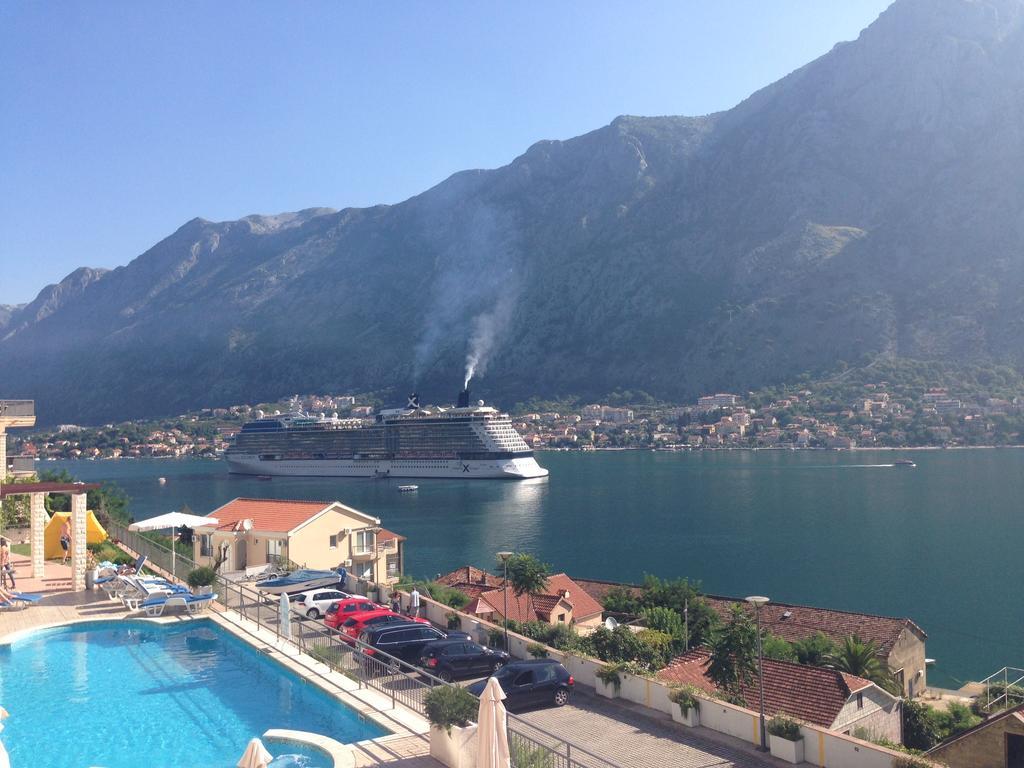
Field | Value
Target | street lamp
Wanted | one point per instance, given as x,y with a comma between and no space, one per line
757,601
504,556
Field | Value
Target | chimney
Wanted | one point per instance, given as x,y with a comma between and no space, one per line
464,398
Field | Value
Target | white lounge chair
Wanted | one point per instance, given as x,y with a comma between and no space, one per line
156,605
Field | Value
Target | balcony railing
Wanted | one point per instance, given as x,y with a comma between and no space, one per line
18,409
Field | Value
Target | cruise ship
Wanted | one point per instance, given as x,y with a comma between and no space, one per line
467,441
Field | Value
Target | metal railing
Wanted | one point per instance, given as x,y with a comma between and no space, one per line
403,683
1003,689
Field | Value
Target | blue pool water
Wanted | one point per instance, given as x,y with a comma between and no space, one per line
127,693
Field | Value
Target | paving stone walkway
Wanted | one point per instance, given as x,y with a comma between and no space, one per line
623,733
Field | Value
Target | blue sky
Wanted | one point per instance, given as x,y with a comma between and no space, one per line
122,120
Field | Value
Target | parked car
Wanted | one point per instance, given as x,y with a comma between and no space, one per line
315,602
456,658
353,626
404,640
342,609
531,683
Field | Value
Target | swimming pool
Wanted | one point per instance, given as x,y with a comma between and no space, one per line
120,694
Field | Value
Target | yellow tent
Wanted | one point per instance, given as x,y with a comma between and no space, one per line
94,533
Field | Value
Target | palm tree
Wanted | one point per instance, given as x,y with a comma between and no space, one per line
526,574
733,661
860,658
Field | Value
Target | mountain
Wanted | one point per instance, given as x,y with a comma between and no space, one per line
866,205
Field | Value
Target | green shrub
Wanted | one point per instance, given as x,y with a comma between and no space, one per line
537,650
203,576
686,697
611,674
448,705
774,647
784,727
453,620
910,761
496,637
525,756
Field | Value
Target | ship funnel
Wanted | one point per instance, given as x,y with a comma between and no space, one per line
464,398
414,401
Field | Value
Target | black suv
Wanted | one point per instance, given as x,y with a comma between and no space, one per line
451,659
531,683
404,640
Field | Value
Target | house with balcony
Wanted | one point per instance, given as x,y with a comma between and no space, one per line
250,533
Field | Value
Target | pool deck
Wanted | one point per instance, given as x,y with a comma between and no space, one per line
407,746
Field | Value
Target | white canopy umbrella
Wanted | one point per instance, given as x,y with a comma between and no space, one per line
286,616
172,520
492,730
256,756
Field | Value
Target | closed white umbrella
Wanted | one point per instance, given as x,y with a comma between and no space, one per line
492,730
172,520
5,761
286,616
256,756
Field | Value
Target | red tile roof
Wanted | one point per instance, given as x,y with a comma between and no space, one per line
583,605
802,622
811,694
386,535
520,607
475,583
272,515
467,574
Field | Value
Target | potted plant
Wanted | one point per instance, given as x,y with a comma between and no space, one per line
785,740
609,680
451,710
685,705
201,579
537,650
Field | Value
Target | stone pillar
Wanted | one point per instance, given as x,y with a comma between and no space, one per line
78,542
37,515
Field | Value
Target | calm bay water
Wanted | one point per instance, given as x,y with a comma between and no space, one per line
941,543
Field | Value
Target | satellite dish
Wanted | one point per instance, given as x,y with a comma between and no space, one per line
610,623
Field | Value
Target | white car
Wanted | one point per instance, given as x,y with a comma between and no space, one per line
315,602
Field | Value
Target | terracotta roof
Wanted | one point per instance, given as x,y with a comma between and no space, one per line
268,514
802,622
520,607
386,535
583,605
545,604
811,694
467,574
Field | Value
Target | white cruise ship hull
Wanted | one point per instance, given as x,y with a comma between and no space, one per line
512,469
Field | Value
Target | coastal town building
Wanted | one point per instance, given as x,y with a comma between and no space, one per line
562,602
900,642
720,400
997,742
251,533
835,700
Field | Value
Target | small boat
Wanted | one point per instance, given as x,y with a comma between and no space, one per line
298,581
408,488
264,477
903,463
162,480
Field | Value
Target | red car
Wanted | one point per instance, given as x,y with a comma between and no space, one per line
343,609
357,622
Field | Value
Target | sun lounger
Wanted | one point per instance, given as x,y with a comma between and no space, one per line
156,605
19,599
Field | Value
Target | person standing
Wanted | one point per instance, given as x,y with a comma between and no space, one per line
6,566
414,603
65,539
396,602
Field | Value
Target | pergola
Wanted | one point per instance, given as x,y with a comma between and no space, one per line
37,510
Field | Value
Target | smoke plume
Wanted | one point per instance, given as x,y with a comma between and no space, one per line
487,328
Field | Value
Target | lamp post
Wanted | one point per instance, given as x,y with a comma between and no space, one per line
504,556
757,601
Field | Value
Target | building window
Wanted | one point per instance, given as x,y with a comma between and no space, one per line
363,542
860,701
334,541
205,546
365,570
274,547
393,562
561,618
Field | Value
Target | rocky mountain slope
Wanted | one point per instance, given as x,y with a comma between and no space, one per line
867,204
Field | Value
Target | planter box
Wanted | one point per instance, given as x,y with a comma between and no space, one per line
784,749
691,718
608,690
457,750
